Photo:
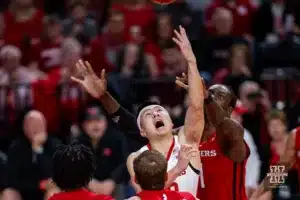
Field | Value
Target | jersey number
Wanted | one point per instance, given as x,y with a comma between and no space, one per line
174,187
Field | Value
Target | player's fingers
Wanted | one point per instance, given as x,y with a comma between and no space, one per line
103,74
81,66
183,33
179,37
184,75
176,41
181,84
76,80
89,68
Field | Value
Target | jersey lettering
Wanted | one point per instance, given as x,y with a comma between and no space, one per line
206,153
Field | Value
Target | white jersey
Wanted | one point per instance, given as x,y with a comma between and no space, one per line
188,181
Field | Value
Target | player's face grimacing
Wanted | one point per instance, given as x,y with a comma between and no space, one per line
155,121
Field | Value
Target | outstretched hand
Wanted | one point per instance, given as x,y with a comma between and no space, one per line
184,44
92,84
185,154
183,83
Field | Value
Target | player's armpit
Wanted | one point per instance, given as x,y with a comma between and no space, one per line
230,137
130,169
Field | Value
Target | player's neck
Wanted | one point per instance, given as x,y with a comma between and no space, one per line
162,144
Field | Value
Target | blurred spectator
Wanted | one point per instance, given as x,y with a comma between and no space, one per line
278,131
132,62
55,102
269,19
109,147
253,162
217,48
284,53
105,47
139,15
239,69
45,54
23,23
173,60
11,71
29,159
163,37
3,171
242,14
2,27
257,102
79,24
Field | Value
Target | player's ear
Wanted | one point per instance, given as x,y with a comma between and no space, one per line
230,109
143,133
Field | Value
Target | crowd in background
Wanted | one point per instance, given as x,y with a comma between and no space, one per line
251,45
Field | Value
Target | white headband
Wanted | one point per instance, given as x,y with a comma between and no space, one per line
138,121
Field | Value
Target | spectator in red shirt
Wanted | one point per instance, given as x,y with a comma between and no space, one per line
238,71
138,14
105,47
23,22
2,28
242,11
150,169
45,54
79,162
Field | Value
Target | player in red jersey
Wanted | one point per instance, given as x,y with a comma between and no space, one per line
289,159
222,149
150,169
73,168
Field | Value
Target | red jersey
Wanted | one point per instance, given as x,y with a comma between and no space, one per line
165,195
47,54
223,178
15,32
80,195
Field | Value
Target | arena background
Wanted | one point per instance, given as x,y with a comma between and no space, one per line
251,45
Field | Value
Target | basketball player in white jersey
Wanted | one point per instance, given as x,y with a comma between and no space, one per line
155,124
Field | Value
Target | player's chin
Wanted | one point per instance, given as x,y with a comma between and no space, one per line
162,131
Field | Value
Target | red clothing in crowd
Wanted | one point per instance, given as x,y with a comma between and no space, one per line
47,54
297,151
165,195
144,17
15,32
242,13
80,195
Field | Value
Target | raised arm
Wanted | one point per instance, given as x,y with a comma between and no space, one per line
194,119
97,88
230,134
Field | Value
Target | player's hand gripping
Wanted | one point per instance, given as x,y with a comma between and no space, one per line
185,154
94,85
183,83
184,44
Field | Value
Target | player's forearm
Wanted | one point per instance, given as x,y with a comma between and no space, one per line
214,111
109,103
172,175
195,90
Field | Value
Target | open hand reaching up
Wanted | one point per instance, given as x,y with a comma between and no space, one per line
92,84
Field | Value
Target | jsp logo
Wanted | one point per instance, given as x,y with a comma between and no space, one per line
277,174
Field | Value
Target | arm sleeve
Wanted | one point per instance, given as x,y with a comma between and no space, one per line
125,120
120,173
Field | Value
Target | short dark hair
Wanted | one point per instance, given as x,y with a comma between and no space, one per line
277,114
73,167
145,104
150,169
